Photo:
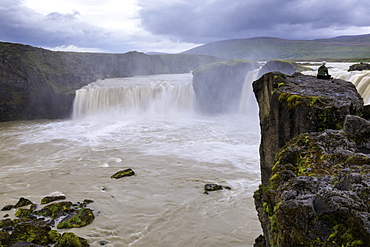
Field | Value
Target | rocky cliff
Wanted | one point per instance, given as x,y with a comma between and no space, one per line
283,66
314,162
38,83
218,86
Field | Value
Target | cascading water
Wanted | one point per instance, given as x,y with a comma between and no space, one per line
159,94
148,124
361,79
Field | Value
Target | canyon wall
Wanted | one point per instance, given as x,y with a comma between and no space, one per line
314,158
38,83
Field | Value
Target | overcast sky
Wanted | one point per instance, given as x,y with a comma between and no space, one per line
118,26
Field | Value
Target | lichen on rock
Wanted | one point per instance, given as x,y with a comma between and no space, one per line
124,173
34,227
314,165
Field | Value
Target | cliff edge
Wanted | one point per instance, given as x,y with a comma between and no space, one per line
315,162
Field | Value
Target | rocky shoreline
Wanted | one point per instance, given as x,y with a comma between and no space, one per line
315,162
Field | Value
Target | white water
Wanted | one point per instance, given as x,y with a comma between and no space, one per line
361,79
147,124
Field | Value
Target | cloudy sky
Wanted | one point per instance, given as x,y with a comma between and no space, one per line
118,26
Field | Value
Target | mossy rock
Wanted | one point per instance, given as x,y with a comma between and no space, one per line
22,202
4,238
22,212
54,236
55,210
48,199
83,217
71,240
213,187
30,233
124,173
7,207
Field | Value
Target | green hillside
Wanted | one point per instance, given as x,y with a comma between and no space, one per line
264,48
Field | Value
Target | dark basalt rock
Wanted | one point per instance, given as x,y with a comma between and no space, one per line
22,202
124,173
315,181
80,218
29,229
7,207
359,66
72,240
37,83
48,199
218,86
283,66
214,187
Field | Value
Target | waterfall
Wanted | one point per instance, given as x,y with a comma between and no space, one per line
248,103
158,94
361,79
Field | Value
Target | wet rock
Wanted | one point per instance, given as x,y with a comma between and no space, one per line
71,240
22,202
82,217
124,173
7,207
49,199
30,233
29,229
218,86
26,244
212,187
55,210
359,66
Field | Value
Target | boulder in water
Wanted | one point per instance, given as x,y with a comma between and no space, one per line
124,173
359,67
48,199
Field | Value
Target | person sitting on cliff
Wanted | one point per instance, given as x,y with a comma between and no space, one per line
323,72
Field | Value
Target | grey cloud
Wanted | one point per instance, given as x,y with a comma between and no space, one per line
205,21
20,24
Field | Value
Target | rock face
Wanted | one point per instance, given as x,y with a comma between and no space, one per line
218,86
37,83
283,66
359,66
314,163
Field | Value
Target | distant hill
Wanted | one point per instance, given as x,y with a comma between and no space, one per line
264,48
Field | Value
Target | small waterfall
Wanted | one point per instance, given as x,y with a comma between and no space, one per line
248,103
159,94
361,79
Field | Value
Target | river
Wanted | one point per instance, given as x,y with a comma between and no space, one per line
173,151
146,123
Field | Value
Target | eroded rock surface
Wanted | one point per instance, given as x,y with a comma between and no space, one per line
314,165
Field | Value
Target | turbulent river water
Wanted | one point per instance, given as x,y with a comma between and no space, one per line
146,123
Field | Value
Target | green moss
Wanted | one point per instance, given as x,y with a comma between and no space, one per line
71,240
123,173
83,217
23,212
53,236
